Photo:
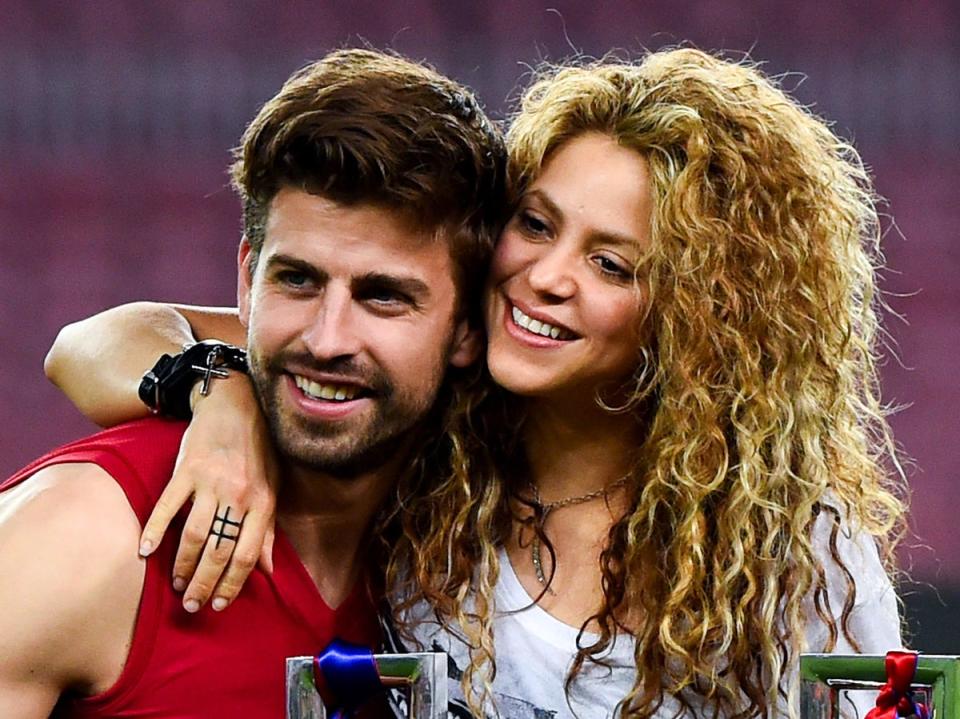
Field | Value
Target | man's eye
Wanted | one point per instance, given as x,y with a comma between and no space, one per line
386,297
293,278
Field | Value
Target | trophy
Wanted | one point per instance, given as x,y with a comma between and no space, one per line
420,677
903,683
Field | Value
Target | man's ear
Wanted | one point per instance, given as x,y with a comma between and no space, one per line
245,257
467,344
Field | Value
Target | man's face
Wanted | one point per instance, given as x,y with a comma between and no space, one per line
351,321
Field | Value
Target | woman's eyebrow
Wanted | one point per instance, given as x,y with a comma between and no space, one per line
552,207
597,235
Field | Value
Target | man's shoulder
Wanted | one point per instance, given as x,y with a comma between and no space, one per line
72,577
142,443
62,509
139,456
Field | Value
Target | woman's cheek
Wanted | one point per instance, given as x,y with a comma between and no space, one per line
509,256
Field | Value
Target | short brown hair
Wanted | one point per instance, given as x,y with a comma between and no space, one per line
361,126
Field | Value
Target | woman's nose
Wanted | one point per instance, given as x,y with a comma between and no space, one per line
552,274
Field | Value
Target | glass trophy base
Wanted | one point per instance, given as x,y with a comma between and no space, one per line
835,686
420,677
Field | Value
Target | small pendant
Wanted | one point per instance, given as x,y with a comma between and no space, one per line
537,564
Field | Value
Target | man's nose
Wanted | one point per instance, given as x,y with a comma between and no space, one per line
334,330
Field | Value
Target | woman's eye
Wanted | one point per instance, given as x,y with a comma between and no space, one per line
532,224
611,267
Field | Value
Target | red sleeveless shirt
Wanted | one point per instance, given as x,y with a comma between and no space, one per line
208,664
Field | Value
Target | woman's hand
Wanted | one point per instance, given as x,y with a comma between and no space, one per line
227,465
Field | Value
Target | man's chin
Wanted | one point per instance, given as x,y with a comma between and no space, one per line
340,457
342,467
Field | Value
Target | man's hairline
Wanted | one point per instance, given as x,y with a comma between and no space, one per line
442,232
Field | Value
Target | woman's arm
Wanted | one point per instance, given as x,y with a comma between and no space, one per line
226,459
98,362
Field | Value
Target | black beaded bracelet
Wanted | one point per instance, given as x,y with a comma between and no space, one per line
166,388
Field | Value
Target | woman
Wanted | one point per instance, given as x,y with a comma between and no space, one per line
684,475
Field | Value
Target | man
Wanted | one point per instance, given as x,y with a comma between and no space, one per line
365,184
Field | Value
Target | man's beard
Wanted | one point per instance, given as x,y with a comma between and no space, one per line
339,448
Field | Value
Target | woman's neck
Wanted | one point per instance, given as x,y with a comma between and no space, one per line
572,452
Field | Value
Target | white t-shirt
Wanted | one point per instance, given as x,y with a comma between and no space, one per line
534,650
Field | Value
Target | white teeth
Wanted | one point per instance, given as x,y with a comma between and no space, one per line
315,390
520,318
537,327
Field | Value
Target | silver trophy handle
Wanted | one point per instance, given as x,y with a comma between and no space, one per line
421,676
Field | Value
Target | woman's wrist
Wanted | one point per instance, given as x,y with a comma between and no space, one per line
171,387
236,390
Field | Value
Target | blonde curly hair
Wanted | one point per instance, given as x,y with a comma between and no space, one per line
759,392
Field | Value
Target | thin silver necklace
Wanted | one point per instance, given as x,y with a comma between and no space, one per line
546,508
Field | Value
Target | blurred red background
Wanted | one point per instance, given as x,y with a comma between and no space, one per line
116,119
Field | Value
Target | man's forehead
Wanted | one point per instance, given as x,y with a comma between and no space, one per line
292,202
359,239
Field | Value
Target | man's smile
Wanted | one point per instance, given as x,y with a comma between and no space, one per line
330,391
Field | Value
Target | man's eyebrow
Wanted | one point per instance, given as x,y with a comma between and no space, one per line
295,263
598,236
412,286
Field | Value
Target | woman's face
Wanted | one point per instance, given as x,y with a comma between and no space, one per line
563,310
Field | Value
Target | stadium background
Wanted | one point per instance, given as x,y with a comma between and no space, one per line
116,118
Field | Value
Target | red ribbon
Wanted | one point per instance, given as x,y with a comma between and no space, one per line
896,696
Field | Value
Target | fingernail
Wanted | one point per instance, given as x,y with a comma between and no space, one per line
191,605
146,546
219,603
179,584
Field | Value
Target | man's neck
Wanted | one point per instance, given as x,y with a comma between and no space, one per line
327,519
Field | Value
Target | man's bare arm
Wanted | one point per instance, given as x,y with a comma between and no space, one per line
98,362
71,587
